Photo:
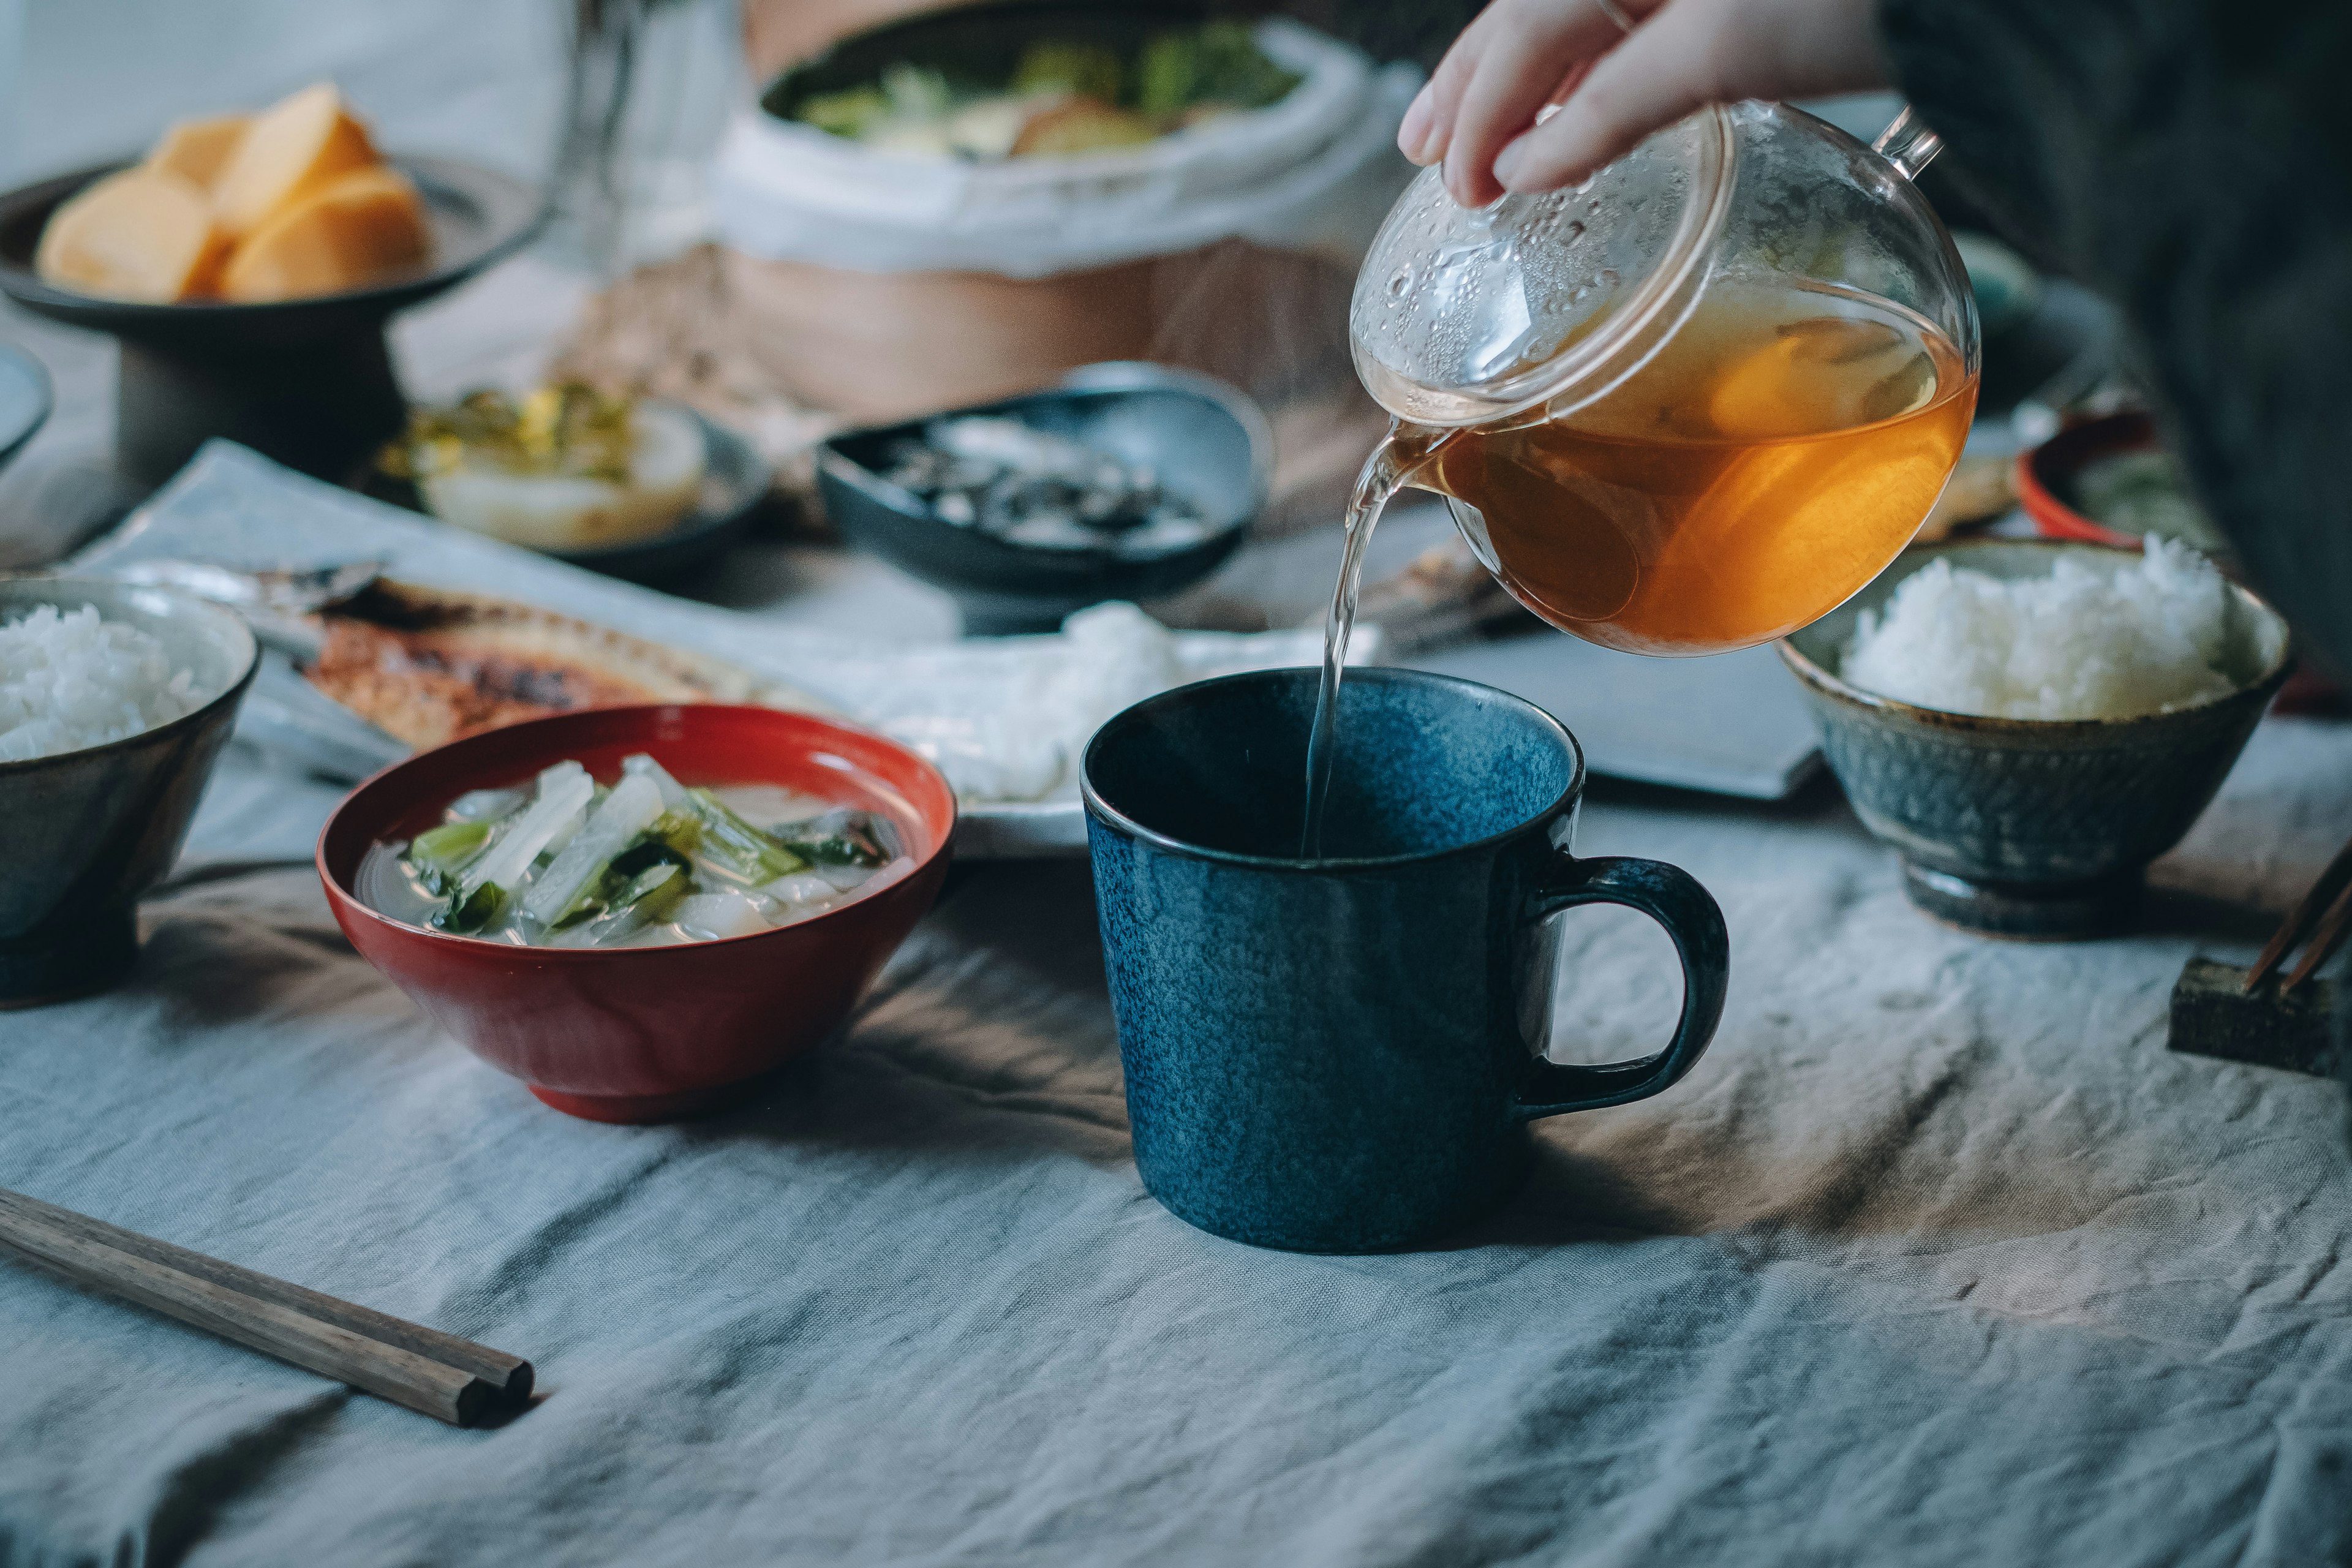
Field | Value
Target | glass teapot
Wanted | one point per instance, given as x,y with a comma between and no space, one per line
1693,403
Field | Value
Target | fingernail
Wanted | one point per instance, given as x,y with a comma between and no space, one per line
1507,163
1412,135
1433,142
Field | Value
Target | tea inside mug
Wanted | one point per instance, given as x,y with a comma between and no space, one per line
1423,766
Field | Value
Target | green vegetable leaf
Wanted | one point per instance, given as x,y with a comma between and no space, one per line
472,913
915,92
849,114
1232,69
736,845
656,893
448,846
1165,73
679,830
628,907
1047,65
849,844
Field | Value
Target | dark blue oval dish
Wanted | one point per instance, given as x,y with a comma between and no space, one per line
24,400
1204,440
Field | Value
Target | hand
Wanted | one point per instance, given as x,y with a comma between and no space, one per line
1477,113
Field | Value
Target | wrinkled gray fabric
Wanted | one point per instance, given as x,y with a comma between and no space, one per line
1939,1256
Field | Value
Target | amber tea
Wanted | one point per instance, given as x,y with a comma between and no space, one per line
1777,453
1772,458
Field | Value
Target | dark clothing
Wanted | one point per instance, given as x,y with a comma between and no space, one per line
2186,158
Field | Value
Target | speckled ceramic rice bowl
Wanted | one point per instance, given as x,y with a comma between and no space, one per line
2030,827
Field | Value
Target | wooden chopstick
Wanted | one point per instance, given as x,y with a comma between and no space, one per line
2328,894
2325,939
442,1376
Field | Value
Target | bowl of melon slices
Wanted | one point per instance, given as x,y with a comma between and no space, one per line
249,262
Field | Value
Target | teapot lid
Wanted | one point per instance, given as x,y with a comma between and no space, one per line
1462,315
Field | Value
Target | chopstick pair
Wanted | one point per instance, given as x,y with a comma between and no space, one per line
2325,915
442,1376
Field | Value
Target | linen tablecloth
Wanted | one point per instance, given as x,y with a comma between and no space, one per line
1940,1256
1937,1257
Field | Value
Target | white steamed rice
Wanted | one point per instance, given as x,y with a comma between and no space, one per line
72,680
2081,642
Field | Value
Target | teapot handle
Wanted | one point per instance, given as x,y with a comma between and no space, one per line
1908,143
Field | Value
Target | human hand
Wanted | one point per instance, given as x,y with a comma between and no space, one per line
1614,87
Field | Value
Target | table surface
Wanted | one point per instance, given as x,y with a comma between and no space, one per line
1937,1255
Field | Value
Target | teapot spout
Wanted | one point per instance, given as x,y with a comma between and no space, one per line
1908,143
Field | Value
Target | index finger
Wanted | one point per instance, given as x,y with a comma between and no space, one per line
1531,47
1442,94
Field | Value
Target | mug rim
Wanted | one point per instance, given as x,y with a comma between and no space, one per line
1111,817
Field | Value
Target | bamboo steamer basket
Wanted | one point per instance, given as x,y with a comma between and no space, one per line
882,285
881,346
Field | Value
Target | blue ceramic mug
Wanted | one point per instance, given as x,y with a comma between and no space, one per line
1342,1055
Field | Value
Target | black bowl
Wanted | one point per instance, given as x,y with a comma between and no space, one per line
735,480
24,400
1206,441
308,383
85,833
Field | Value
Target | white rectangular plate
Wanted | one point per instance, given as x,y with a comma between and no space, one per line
236,508
1730,724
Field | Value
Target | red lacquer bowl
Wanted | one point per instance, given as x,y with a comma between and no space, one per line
648,1034
2044,472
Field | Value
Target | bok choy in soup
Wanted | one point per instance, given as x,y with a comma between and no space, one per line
646,861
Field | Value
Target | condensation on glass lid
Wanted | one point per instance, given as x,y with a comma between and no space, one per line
644,861
1457,307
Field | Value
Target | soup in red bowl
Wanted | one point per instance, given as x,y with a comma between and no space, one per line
676,1021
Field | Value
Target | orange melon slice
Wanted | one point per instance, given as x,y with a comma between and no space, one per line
143,234
291,149
197,150
346,234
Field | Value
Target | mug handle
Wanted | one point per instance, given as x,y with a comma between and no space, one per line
1672,897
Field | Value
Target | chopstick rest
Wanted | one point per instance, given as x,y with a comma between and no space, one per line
2250,1014
442,1376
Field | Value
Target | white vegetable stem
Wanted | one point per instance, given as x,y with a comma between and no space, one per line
629,811
486,805
564,792
804,888
673,793
722,914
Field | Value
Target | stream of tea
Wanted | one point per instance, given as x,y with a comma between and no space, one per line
1774,456
1390,468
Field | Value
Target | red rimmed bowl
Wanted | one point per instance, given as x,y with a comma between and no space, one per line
2045,479
648,1034
2046,473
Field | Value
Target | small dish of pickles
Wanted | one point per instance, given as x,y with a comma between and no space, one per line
634,487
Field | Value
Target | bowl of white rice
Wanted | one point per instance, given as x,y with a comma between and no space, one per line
115,700
2029,723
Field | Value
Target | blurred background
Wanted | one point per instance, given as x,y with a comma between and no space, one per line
787,284
621,110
